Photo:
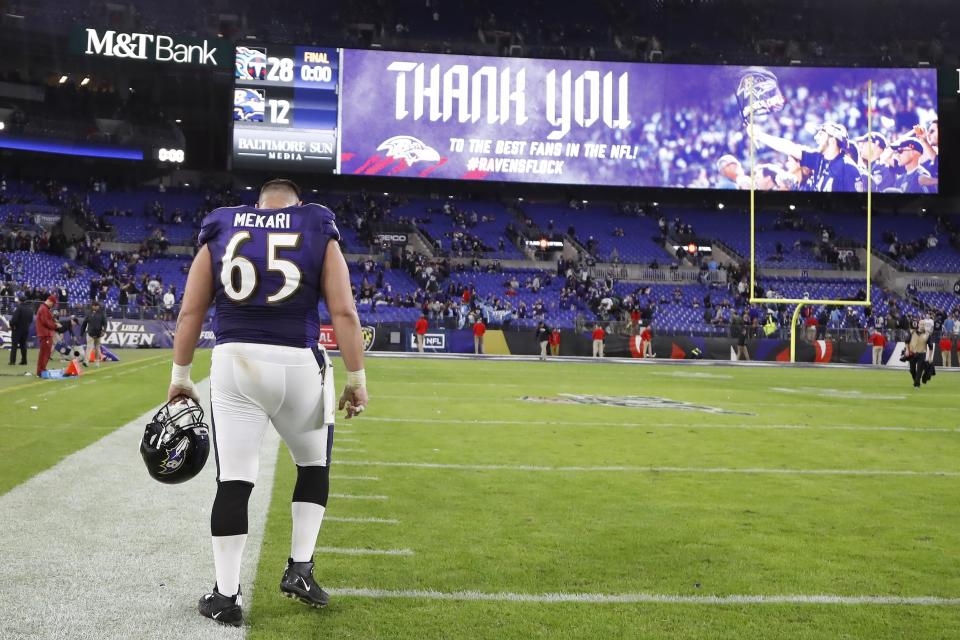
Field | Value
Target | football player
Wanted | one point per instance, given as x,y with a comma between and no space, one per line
832,168
265,269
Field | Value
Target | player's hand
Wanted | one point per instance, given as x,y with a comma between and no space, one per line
919,132
353,400
177,390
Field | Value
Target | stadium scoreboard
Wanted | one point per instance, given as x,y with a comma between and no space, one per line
285,108
300,109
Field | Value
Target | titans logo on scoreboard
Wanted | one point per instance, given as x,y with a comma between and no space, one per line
251,63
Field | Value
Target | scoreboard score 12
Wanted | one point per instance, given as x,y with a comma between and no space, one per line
286,108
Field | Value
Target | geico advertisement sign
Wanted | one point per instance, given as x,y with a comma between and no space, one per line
149,47
128,334
436,341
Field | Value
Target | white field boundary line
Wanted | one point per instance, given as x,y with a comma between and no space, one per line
349,496
367,478
88,518
646,598
656,425
345,551
651,469
362,520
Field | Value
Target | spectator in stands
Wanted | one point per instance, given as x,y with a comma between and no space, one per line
598,337
169,299
742,353
730,172
421,331
46,328
879,342
20,330
543,339
479,329
634,321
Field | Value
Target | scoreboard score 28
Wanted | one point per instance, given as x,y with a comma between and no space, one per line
286,108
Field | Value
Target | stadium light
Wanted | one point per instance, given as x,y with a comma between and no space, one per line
2,125
178,120
186,184
63,79
249,188
793,207
585,201
720,206
85,81
656,204
386,193
519,199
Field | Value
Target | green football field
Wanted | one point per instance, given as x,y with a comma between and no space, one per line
506,499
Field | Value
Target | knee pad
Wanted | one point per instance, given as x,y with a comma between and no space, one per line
313,485
229,515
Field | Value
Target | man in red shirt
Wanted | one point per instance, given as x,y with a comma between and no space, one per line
646,348
554,342
478,330
811,328
598,335
421,329
46,330
634,322
946,350
878,342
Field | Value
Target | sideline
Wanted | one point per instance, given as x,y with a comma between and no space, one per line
94,548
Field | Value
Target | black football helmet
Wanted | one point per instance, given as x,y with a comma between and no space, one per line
176,443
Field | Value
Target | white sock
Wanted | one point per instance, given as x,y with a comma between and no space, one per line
227,553
307,518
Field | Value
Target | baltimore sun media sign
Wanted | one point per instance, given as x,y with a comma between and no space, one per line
149,47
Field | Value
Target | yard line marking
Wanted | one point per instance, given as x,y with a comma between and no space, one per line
347,440
658,425
19,401
651,469
350,496
647,598
371,478
344,431
364,552
363,520
348,450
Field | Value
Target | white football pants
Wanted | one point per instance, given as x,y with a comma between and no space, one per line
254,385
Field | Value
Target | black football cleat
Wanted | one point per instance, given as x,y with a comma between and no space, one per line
222,609
298,583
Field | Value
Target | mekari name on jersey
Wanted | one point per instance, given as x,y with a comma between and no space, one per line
267,267
258,221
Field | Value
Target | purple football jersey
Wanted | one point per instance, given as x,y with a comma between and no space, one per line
267,266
